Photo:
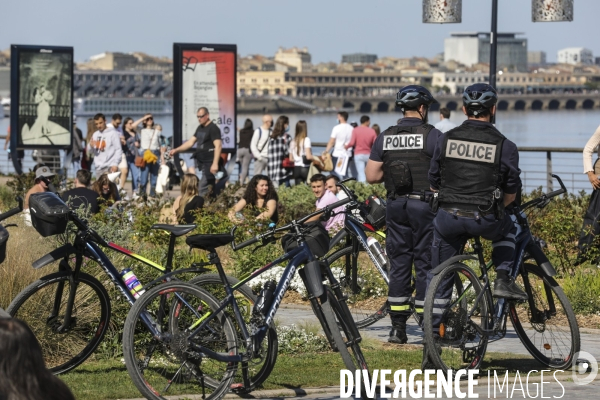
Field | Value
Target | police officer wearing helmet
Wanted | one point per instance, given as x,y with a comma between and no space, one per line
475,170
400,158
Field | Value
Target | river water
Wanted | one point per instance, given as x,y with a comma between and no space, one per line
555,129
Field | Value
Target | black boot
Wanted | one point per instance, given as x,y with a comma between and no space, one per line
398,332
508,289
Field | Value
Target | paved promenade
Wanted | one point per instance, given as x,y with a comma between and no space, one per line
296,314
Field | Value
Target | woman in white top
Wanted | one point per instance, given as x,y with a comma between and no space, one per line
300,151
591,223
149,140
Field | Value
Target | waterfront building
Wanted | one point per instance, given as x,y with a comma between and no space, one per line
101,83
548,80
575,55
359,58
470,48
264,83
109,61
4,81
295,57
536,58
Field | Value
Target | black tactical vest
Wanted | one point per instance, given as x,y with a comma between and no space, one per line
470,167
405,161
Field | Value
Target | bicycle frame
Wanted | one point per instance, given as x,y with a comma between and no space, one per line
296,257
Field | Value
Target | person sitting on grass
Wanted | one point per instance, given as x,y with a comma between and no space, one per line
188,201
260,194
81,195
107,191
318,184
23,374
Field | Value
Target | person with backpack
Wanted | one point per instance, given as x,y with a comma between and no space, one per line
259,145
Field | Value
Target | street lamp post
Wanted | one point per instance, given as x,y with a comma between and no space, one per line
450,11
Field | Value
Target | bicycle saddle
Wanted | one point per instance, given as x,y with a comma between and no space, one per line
209,242
175,230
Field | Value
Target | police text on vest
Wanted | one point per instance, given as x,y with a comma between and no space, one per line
473,151
402,142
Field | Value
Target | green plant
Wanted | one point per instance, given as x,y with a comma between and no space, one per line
583,291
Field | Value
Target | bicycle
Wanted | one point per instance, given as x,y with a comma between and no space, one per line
176,352
472,319
354,273
69,311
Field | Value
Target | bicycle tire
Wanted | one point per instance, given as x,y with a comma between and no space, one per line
547,352
342,335
449,348
362,317
35,303
213,284
176,366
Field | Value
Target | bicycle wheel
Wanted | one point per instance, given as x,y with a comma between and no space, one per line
42,305
342,334
260,369
364,307
457,344
546,323
167,365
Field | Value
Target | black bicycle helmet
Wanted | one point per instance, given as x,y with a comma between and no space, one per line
479,97
412,96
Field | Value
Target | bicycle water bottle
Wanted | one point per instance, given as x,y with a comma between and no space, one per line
377,251
132,282
265,298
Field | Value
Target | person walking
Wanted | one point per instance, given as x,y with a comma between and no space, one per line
445,125
400,159
73,155
244,154
340,136
591,219
278,150
106,147
301,153
260,144
132,150
208,151
473,190
362,141
149,142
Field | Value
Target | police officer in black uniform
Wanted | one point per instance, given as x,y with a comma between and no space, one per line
476,170
400,158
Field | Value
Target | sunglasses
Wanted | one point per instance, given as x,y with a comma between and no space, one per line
201,116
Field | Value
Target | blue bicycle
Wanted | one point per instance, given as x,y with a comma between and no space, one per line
471,318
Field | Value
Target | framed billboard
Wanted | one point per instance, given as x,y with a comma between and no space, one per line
41,97
204,75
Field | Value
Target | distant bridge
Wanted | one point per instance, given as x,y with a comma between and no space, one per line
518,102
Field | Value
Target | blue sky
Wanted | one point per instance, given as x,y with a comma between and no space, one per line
329,28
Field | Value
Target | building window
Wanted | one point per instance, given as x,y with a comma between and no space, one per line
277,91
265,81
253,80
265,92
277,80
242,80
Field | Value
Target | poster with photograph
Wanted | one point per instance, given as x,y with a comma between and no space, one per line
42,89
205,76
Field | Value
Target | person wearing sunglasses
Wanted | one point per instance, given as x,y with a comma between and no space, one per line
208,151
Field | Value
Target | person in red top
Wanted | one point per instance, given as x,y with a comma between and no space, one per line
362,140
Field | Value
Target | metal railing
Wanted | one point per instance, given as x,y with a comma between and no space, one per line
537,166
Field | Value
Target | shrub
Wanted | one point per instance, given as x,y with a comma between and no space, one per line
583,291
295,340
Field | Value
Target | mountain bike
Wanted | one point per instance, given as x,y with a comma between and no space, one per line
471,318
197,348
357,272
69,311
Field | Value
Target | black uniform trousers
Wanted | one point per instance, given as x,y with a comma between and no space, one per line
449,237
408,241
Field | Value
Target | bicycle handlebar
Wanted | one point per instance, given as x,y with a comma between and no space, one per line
13,211
546,197
287,227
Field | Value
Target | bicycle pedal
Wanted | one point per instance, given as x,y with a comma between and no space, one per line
238,388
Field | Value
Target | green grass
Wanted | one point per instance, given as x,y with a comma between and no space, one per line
109,379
